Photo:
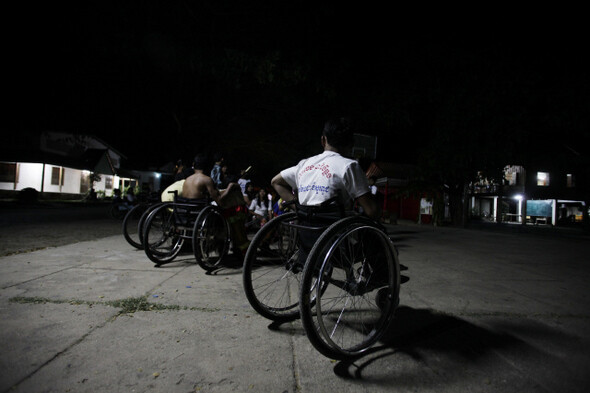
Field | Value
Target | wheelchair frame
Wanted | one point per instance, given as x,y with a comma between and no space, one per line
345,290
169,225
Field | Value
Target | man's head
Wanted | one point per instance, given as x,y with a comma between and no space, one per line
218,158
200,162
338,133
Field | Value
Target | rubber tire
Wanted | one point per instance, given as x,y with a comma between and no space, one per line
131,224
327,247
161,219
143,219
275,312
210,215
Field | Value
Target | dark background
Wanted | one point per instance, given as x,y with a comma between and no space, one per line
455,88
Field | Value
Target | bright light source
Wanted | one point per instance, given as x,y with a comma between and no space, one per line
543,178
158,175
518,197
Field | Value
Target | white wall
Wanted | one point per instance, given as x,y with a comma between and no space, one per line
71,181
48,187
101,185
29,175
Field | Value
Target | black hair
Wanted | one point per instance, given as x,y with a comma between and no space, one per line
339,132
200,162
260,202
217,157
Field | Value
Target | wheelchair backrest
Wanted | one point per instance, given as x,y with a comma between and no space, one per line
313,220
186,210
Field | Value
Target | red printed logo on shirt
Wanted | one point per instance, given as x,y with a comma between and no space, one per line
324,168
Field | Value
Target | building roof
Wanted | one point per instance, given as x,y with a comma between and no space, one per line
31,148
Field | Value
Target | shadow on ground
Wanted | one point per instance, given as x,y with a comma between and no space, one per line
419,333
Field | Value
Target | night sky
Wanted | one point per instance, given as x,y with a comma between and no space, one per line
163,80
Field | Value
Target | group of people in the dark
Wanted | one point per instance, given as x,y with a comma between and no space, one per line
312,181
246,207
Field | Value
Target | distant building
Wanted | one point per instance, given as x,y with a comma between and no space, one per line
65,164
542,195
398,194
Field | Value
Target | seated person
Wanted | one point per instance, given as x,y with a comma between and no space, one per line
322,177
261,208
117,196
277,204
230,200
129,196
327,176
181,171
174,189
249,193
243,179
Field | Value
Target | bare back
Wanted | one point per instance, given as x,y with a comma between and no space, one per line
199,186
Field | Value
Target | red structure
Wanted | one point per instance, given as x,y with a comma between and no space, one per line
397,201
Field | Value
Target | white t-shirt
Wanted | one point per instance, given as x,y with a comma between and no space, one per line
260,209
242,183
319,178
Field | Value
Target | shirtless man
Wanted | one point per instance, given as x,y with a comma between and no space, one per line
199,186
230,200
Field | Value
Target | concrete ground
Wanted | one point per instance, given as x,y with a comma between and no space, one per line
484,310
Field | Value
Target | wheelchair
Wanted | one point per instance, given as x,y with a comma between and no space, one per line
134,221
339,272
172,224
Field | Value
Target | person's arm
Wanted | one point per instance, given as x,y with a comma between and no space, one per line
369,206
212,190
282,188
231,196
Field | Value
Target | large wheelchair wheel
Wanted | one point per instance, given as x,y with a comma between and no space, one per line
143,219
131,225
272,271
350,288
162,239
211,238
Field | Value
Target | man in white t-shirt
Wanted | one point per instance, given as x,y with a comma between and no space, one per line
322,177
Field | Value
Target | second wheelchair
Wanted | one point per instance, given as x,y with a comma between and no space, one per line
171,224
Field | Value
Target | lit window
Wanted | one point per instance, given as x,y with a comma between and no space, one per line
571,180
542,178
